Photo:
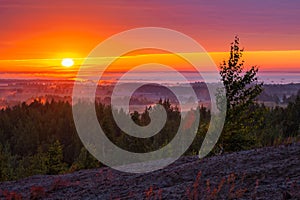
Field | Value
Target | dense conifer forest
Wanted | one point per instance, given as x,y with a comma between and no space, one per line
42,139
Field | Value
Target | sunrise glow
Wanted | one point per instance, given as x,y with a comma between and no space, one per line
40,38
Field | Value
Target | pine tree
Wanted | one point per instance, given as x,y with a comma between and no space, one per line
55,159
242,89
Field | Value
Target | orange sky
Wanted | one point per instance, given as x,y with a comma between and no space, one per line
36,35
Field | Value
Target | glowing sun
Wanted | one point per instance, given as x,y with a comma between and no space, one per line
67,62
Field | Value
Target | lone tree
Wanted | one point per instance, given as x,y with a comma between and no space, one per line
242,89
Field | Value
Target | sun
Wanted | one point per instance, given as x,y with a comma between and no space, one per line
67,62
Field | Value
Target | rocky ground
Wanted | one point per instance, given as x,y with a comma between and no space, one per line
268,173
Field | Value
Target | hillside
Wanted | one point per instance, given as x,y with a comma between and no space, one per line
268,173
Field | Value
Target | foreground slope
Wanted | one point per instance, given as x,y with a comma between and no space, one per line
268,173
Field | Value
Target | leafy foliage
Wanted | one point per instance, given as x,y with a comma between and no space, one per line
241,85
242,89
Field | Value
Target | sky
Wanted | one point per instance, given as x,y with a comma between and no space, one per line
37,35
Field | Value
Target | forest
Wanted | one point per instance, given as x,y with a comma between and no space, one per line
42,139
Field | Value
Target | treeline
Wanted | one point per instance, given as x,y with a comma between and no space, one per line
276,98
42,139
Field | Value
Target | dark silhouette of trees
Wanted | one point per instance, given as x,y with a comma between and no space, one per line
53,146
242,89
241,85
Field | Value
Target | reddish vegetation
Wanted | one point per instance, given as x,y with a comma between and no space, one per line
269,173
11,195
37,192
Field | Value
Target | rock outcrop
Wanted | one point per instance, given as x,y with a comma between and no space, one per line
267,173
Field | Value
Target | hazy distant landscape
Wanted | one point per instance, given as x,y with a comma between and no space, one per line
14,92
